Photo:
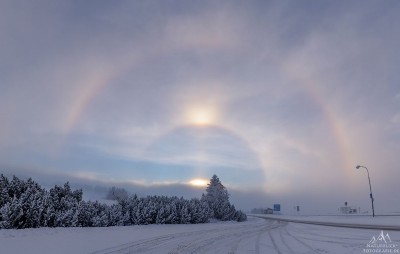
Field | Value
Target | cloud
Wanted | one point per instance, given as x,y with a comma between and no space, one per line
396,119
206,30
303,92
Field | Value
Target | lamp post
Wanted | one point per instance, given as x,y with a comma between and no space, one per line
370,189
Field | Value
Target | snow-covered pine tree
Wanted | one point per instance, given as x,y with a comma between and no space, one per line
16,187
5,212
84,214
115,215
99,215
173,216
115,193
5,201
4,186
161,215
63,204
32,200
240,216
134,210
195,211
185,215
25,208
25,204
122,207
217,198
149,210
15,214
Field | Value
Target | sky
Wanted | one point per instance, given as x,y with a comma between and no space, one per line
280,99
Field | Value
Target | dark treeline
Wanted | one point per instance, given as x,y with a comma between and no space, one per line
24,204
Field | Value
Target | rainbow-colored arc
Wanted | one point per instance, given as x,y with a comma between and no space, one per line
311,86
94,84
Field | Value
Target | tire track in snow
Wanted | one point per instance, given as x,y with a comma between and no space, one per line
257,243
143,245
284,240
255,234
181,240
272,226
230,239
301,242
273,242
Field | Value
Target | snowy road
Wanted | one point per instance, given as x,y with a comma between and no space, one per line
231,238
256,235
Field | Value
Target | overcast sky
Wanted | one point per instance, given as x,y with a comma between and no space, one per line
280,99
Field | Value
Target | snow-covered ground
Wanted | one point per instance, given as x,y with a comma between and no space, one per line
256,235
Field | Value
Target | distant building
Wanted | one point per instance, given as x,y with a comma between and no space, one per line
269,211
348,210
262,211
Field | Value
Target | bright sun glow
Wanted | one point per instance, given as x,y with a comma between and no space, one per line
201,116
198,182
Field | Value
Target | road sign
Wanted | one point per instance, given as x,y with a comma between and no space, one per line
277,207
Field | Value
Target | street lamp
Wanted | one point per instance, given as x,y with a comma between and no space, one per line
370,189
